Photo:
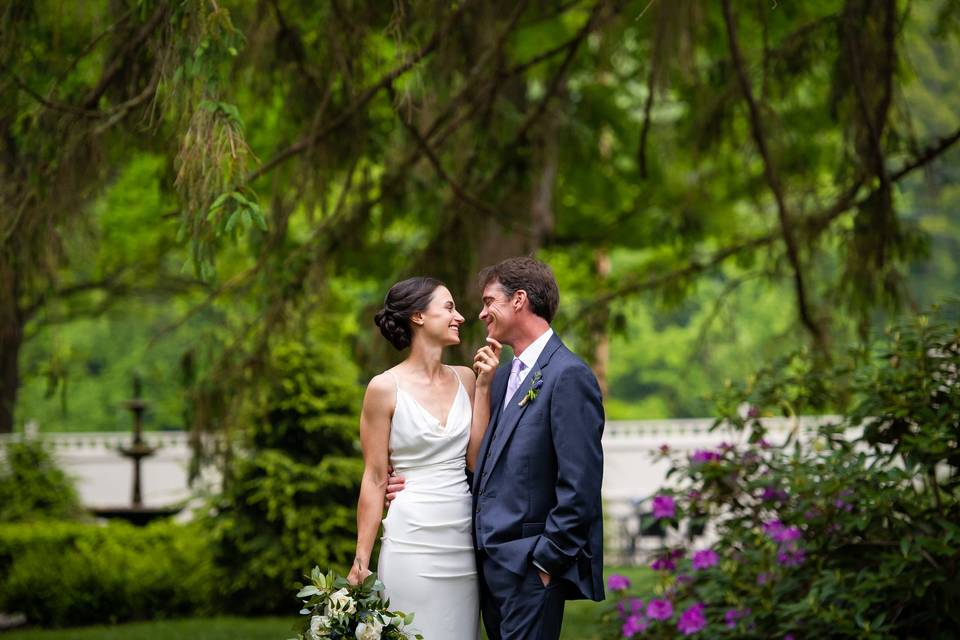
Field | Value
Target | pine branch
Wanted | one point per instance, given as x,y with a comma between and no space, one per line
311,140
772,177
811,227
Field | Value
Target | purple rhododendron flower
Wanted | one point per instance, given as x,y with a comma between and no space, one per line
618,583
763,444
664,507
753,411
692,620
705,559
843,505
664,449
732,616
634,625
702,456
663,563
791,557
772,494
763,578
778,532
660,610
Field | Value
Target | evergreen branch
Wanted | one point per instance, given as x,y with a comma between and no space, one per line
812,227
312,139
773,179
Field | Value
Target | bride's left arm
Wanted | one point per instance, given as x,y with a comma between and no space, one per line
485,364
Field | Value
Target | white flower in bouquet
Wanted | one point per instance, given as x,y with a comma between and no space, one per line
319,625
340,604
370,629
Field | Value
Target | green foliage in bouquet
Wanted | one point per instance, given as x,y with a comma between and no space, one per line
853,532
33,487
336,609
289,499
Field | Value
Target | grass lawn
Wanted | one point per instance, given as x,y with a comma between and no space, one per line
580,622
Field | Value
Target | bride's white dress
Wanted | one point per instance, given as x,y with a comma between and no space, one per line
427,561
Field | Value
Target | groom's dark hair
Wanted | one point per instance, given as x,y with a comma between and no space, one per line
532,276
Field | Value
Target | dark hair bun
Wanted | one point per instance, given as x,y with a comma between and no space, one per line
394,328
404,299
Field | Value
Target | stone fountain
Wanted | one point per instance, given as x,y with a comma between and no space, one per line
137,513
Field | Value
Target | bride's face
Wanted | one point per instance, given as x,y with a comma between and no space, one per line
441,321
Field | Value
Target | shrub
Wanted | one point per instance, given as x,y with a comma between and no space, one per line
33,487
68,574
841,538
289,502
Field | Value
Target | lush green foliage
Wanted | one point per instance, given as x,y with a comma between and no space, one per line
581,621
33,487
290,496
378,144
70,574
840,537
225,628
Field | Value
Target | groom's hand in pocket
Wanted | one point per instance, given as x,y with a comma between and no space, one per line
544,577
395,485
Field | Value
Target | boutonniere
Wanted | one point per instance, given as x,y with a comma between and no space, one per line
532,392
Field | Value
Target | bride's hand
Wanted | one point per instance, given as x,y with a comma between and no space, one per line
357,573
486,361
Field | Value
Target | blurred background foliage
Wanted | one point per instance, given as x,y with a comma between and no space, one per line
190,185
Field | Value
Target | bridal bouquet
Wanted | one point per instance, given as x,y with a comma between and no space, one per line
337,609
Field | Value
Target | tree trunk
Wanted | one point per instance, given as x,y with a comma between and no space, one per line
11,339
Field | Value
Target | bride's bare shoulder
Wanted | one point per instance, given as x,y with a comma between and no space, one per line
381,388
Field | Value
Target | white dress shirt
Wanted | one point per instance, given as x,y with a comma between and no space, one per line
530,356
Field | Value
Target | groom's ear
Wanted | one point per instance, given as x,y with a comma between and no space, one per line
519,300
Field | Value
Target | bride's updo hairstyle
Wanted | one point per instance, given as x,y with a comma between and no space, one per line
404,299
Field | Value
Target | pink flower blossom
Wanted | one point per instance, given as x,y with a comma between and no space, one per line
618,583
633,625
732,616
778,532
664,507
660,610
702,456
791,557
705,559
692,620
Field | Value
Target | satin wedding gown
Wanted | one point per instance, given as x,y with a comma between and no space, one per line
427,561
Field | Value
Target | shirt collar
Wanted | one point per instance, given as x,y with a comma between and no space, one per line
532,353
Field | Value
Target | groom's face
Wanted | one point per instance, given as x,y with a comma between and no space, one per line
497,312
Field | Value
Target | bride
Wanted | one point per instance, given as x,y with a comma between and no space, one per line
426,420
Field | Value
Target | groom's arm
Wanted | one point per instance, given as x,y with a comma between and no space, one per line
576,420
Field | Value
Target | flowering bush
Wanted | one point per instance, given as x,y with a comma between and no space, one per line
337,609
853,531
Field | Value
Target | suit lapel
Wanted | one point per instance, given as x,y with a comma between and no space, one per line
497,390
509,417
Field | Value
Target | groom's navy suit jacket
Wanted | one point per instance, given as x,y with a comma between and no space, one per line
536,489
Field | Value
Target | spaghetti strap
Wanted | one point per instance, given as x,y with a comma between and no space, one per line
396,380
455,373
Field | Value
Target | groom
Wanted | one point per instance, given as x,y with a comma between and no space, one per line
536,487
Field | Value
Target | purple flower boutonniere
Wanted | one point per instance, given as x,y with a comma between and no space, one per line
532,392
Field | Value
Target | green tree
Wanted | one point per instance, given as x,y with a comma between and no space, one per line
289,499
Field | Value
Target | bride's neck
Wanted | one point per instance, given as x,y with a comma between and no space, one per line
426,358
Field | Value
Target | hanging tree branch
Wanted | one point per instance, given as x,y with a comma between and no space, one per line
773,179
811,227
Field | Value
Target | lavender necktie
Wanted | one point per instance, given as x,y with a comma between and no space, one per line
514,383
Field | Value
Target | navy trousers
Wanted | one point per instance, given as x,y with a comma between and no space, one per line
518,608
